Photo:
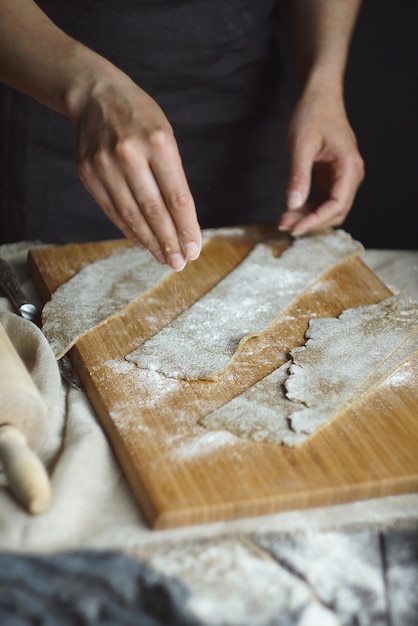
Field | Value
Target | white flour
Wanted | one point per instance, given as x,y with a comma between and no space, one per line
202,341
232,582
342,359
101,289
95,293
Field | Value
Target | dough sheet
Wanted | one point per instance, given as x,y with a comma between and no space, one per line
342,359
201,342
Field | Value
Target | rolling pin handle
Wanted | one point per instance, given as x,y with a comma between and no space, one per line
27,477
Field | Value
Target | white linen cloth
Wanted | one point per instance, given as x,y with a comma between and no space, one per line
35,352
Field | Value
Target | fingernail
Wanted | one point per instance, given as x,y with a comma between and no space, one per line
283,229
192,251
294,199
177,262
160,257
298,233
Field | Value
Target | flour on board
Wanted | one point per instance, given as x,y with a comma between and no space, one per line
95,293
342,359
202,341
101,289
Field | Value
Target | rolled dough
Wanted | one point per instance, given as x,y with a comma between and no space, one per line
101,289
342,359
95,293
202,341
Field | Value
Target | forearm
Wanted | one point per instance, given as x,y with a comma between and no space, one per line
321,142
37,58
322,31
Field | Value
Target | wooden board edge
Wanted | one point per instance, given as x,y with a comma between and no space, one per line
325,497
36,275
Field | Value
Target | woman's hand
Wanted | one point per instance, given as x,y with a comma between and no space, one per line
322,144
322,147
129,162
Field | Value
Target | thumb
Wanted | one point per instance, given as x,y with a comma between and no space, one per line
299,181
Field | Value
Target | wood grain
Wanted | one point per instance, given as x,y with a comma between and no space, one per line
182,474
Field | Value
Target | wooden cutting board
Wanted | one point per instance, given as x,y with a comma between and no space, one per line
182,474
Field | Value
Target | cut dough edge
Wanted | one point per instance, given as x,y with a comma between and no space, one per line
234,410
290,438
59,353
352,402
164,273
216,375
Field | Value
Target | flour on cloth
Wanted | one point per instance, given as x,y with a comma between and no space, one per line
342,359
233,582
202,341
96,293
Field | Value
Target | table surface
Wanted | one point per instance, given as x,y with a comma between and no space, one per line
231,569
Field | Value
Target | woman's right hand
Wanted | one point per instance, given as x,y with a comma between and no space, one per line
129,161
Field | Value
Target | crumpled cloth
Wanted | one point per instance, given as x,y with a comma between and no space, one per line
90,497
88,588
38,357
363,578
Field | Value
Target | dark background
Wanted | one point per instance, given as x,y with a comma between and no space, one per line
382,103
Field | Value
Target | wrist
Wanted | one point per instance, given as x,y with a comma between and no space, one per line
321,95
322,81
86,75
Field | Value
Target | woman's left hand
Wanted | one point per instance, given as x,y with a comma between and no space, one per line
322,148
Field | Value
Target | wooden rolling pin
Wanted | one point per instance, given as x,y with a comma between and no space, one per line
22,414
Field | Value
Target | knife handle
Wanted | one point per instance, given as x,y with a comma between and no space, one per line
9,282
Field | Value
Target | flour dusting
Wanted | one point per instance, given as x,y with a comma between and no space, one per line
231,582
201,342
188,439
96,293
342,359
400,378
148,388
196,445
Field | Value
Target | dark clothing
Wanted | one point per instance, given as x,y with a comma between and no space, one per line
214,68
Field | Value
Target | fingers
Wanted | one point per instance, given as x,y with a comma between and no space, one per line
322,146
129,161
168,171
298,187
299,181
121,209
338,182
336,204
147,199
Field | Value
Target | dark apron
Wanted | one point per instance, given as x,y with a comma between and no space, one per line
214,68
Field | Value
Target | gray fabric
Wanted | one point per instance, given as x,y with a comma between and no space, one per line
87,588
367,578
400,551
357,578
